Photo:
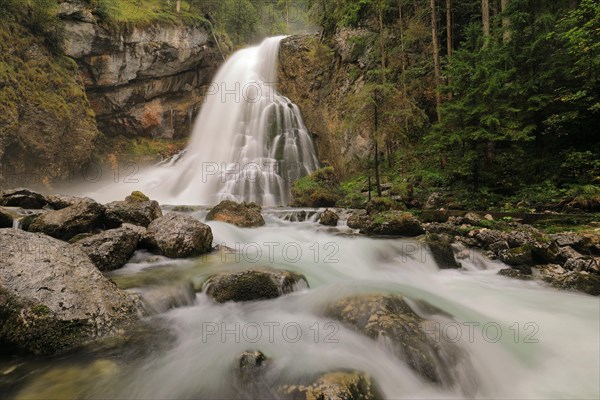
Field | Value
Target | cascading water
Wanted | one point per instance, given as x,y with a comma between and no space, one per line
248,142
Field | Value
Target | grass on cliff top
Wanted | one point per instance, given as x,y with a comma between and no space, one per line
146,12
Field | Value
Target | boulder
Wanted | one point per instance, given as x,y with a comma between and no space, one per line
393,223
472,219
244,215
329,218
249,366
567,239
23,198
334,386
134,210
513,273
517,257
111,249
6,218
58,201
559,278
178,236
53,298
254,284
82,217
410,336
440,247
434,201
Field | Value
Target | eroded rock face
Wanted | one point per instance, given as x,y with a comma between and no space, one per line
334,386
376,315
111,249
141,81
82,217
250,285
244,215
178,236
52,297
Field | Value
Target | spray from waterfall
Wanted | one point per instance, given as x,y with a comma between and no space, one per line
249,143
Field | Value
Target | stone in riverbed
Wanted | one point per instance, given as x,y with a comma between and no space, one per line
23,198
334,386
178,236
244,215
559,278
440,247
52,298
389,316
82,217
134,210
393,223
6,218
329,218
254,284
111,249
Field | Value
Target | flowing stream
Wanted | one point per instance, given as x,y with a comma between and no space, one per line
248,142
521,339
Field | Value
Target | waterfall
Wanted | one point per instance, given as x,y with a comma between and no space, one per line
249,143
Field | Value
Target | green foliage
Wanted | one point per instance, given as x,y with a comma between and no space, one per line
319,189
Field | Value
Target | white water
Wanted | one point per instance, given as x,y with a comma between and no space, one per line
553,352
248,142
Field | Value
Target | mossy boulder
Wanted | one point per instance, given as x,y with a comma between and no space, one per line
178,236
380,204
251,285
52,297
411,338
352,385
137,209
82,217
110,250
244,215
388,223
319,189
329,218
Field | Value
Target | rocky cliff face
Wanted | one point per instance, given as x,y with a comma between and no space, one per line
319,78
141,81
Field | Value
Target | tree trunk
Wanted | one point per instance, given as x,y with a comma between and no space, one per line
449,26
485,13
505,21
381,40
436,61
376,123
178,6
403,64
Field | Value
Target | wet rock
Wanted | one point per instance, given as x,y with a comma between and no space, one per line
161,298
559,278
517,257
334,386
6,218
393,223
389,317
499,246
82,217
249,366
513,273
178,236
23,198
53,298
329,218
134,210
254,284
244,215
111,249
59,202
440,247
